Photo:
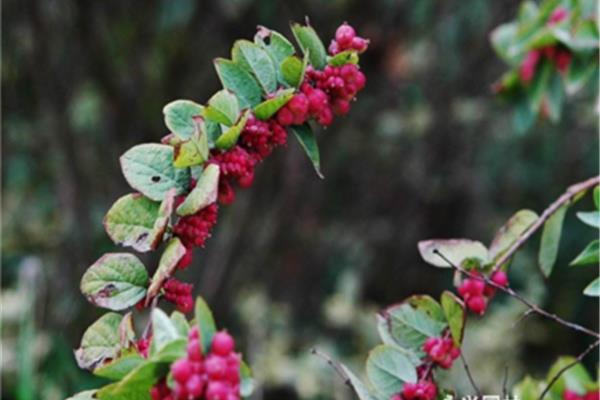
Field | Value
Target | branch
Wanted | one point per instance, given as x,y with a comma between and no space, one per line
534,307
468,371
577,360
336,366
566,197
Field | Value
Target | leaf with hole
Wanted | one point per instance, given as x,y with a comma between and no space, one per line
276,45
116,281
179,117
204,193
149,169
100,342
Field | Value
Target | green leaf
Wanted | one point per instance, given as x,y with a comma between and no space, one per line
529,389
510,232
410,326
523,117
181,323
385,334
454,311
257,61
388,369
119,368
593,289
204,194
229,138
149,169
205,322
136,221
539,85
591,218
293,70
268,108
86,395
247,382
343,58
116,281
193,151
235,78
137,384
361,390
551,240
502,38
428,305
179,117
455,250
278,47
580,71
596,195
100,342
167,264
223,108
307,140
310,42
213,131
589,255
555,96
163,331
576,378
172,350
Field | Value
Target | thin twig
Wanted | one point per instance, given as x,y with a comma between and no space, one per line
468,371
523,317
578,359
566,197
534,307
505,383
336,366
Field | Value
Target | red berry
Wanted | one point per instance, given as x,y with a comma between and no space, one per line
359,44
222,343
181,370
194,350
298,104
341,106
194,386
215,366
500,278
344,35
216,391
325,117
285,117
571,395
477,304
527,68
593,395
558,15
317,100
333,48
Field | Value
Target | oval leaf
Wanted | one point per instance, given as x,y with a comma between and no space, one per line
149,169
455,250
136,221
455,315
223,108
193,151
551,240
119,368
167,264
589,255
229,138
163,331
116,281
591,218
205,322
256,60
310,42
508,234
99,342
593,289
293,70
204,194
268,108
307,140
388,369
179,116
343,58
238,80
278,48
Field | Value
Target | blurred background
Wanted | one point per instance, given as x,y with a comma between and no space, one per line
296,261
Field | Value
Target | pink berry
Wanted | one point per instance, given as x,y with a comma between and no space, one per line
528,66
477,304
571,395
194,350
216,391
558,15
344,35
298,104
194,386
500,278
181,370
285,117
341,107
215,366
222,343
359,44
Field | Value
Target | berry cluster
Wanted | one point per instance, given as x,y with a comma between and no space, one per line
179,293
441,351
216,377
422,390
559,55
346,39
193,230
476,293
571,395
259,138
